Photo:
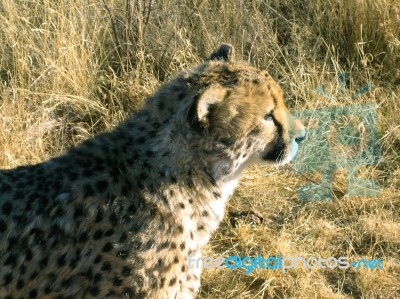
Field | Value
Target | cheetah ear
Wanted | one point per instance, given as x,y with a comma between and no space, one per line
200,113
225,52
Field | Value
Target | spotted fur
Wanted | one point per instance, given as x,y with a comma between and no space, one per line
118,216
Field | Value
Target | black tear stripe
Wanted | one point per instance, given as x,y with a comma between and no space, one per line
278,152
193,118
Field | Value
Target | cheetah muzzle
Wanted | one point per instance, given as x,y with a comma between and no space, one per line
118,216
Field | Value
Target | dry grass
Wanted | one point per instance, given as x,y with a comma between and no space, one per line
71,69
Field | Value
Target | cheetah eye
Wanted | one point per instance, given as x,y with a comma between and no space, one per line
268,116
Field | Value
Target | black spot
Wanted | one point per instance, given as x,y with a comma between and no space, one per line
117,281
153,281
48,289
74,261
3,226
97,277
205,213
126,271
200,227
20,284
99,216
33,275
7,208
141,140
61,260
22,269
184,268
163,245
173,245
94,291
12,241
89,273
88,190
79,211
189,183
88,172
11,260
102,185
173,179
172,281
113,219
182,205
190,200
7,279
73,176
164,199
180,229
217,194
227,141
110,198
123,238
124,190
149,244
98,234
28,255
176,260
160,263
152,133
160,105
107,247
33,293
182,246
66,283
83,237
125,219
98,168
109,232
132,209
153,212
106,266
5,188
43,262
97,259
180,96
162,282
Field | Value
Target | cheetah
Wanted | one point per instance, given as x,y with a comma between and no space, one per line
119,215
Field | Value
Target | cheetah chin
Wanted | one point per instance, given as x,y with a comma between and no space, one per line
119,215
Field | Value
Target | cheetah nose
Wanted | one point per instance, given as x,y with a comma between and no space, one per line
300,139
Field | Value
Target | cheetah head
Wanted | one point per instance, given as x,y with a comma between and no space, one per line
231,114
243,108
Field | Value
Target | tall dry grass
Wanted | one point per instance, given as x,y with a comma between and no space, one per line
70,69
